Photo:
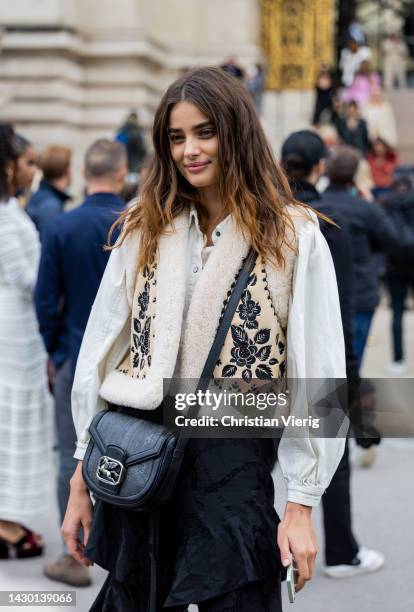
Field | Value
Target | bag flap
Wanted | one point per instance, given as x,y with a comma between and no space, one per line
142,440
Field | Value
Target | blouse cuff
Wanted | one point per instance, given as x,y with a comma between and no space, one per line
307,495
80,450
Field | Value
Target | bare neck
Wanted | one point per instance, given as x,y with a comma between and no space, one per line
101,187
61,184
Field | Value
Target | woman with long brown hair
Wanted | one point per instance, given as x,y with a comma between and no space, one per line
213,191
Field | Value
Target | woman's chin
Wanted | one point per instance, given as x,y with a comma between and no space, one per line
200,182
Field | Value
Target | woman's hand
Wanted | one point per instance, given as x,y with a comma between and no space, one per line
296,537
78,515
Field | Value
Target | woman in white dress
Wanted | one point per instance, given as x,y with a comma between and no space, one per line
26,426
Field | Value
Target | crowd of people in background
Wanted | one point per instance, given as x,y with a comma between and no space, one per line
353,100
353,108
351,171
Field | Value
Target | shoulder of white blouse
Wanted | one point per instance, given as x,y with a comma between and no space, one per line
305,223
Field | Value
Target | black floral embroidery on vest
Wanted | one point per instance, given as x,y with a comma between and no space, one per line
143,300
245,354
141,325
252,354
249,310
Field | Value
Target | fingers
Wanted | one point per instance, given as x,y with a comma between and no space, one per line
283,543
86,533
304,573
75,547
305,563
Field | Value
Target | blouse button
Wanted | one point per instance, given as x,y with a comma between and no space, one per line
218,233
195,269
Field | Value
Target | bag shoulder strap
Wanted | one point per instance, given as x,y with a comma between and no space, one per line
226,320
219,339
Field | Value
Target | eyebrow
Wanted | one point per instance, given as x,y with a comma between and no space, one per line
195,127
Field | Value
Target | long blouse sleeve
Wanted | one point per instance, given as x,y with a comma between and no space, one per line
109,317
315,350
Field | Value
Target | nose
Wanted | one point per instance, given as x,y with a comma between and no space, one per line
191,148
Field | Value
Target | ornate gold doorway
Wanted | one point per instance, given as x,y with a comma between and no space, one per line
297,37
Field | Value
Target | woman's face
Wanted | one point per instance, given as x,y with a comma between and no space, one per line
26,168
379,148
194,145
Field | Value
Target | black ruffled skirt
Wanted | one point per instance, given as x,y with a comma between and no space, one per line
217,534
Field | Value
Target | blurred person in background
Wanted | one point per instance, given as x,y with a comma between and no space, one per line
356,32
380,117
365,80
48,201
131,135
395,55
303,157
370,231
353,129
363,178
255,83
399,205
71,267
352,55
26,168
26,424
383,160
324,91
231,67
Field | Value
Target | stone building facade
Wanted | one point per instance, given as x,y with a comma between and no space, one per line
70,70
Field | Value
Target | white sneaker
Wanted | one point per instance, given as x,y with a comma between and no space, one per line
365,562
396,369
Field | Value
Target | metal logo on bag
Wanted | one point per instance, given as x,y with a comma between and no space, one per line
110,471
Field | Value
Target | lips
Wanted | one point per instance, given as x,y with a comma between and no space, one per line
196,166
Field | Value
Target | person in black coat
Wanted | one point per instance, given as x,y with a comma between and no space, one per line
303,157
72,263
48,201
399,206
353,129
370,231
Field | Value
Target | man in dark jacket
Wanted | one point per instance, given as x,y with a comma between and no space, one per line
399,206
49,199
370,231
303,157
72,263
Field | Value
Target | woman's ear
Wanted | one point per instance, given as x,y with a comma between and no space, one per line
10,168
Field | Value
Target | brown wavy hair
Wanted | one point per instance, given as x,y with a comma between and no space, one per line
252,186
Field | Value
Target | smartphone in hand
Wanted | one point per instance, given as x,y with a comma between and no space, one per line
291,579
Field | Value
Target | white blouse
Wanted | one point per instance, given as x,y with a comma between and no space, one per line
315,347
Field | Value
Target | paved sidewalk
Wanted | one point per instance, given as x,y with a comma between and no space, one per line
383,498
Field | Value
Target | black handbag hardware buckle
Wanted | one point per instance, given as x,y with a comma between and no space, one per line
110,471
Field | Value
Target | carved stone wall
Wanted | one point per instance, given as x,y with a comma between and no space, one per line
297,37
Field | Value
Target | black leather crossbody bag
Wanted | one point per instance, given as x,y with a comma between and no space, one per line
134,463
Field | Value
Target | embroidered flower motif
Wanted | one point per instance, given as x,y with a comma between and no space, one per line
141,340
141,323
144,338
249,310
253,350
244,353
143,300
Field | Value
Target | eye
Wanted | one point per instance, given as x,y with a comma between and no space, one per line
176,138
207,133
